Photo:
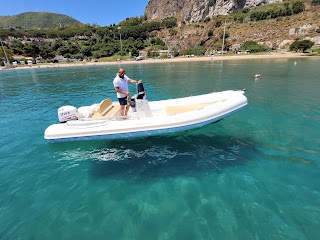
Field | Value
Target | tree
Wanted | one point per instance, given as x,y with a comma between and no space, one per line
172,32
288,9
69,48
86,51
210,33
253,47
157,41
169,22
16,46
245,10
226,35
46,53
207,19
175,52
31,50
301,45
131,21
196,51
294,46
297,7
239,17
57,44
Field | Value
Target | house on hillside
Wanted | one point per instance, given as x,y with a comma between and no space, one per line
60,59
21,59
243,52
164,52
168,52
143,54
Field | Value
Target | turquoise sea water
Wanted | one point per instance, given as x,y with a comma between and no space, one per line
254,175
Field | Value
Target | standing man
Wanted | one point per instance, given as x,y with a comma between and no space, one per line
120,83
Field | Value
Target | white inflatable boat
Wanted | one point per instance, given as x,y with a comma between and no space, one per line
103,121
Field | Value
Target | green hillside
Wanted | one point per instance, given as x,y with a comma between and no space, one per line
31,20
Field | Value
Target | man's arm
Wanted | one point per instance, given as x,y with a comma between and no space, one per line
119,91
134,81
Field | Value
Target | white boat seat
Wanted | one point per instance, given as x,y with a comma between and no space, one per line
103,108
106,109
114,110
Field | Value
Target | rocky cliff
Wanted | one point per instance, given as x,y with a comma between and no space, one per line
197,10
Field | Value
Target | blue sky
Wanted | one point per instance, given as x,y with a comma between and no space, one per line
102,12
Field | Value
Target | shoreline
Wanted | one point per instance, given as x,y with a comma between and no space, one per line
173,60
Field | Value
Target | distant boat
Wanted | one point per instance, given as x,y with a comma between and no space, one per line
257,75
103,121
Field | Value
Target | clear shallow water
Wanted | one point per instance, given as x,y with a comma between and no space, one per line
254,175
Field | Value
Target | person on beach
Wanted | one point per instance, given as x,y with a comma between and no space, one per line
120,84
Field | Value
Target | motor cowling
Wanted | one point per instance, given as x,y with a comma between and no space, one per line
67,113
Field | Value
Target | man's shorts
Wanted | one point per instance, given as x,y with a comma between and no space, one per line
123,101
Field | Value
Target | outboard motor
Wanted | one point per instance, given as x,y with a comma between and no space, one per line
67,113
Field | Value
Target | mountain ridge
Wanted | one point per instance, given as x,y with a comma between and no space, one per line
31,20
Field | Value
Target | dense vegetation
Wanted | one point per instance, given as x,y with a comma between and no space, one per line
253,47
86,41
301,45
32,20
270,11
281,10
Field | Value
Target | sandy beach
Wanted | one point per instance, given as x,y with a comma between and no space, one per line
172,60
